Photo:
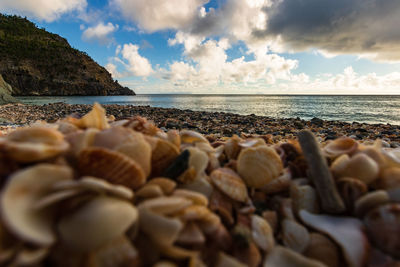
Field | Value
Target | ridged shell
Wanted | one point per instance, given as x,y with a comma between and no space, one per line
19,196
344,145
96,223
229,183
112,166
259,165
96,118
323,249
33,144
163,154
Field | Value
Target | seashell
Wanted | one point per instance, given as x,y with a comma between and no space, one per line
206,147
250,255
96,118
149,191
165,264
392,157
174,137
271,217
178,166
222,205
340,146
102,186
383,226
195,197
262,233
163,154
370,201
229,183
252,142
207,220
295,236
175,252
96,223
322,249
277,185
30,257
198,160
19,196
351,189
213,163
191,235
118,252
80,140
201,185
227,260
166,185
232,148
115,136
281,256
346,232
111,166
52,198
389,179
33,144
65,127
304,197
165,205
362,167
142,125
375,153
259,165
339,165
190,137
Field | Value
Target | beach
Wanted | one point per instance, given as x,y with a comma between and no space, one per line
213,124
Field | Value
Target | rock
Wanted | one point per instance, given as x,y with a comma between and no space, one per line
5,92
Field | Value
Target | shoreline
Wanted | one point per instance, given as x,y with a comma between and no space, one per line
217,124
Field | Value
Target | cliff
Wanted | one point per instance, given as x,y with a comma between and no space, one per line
5,92
35,62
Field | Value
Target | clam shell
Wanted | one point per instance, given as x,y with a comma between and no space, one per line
149,191
362,167
19,196
165,205
347,232
81,140
102,186
201,185
198,160
163,154
323,249
225,260
115,136
232,148
262,233
295,236
279,184
281,256
167,185
96,223
112,166
190,137
259,165
174,137
370,201
191,234
33,144
195,197
304,197
229,183
339,146
96,118
383,225
339,165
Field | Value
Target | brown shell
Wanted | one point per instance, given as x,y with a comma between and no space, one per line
111,166
162,156
229,183
351,189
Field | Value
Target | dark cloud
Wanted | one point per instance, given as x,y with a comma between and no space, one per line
337,26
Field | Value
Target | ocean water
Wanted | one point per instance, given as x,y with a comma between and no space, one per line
368,109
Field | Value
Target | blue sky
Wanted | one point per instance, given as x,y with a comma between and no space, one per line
232,46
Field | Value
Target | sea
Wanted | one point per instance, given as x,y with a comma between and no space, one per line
370,109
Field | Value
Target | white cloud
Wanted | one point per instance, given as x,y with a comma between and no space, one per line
153,15
133,63
42,9
100,33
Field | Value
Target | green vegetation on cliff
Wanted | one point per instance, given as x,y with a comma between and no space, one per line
36,62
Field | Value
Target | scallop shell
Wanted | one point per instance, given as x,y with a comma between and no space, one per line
343,145
262,233
362,167
33,144
383,225
19,196
96,118
259,165
96,223
281,256
111,166
295,236
229,183
347,232
323,249
163,154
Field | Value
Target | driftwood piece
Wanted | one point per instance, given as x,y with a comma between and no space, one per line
320,174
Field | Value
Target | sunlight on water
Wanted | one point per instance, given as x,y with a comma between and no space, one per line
370,109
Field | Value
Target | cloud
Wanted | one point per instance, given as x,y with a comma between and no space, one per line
100,33
42,9
134,64
362,27
154,15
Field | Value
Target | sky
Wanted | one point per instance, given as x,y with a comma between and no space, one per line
232,46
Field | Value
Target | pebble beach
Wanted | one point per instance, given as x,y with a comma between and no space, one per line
212,124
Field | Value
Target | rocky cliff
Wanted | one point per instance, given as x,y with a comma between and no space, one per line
5,92
36,62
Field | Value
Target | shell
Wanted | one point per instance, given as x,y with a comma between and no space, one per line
343,145
163,154
390,178
304,197
115,136
191,235
149,191
19,196
201,185
30,257
323,249
96,118
383,225
33,144
232,147
97,222
370,201
225,260
112,166
195,197
198,160
262,233
229,183
55,197
259,165
351,189
362,167
102,186
167,185
339,165
165,205
207,220
281,256
347,232
295,236
174,137
81,140
190,137
252,142
279,184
